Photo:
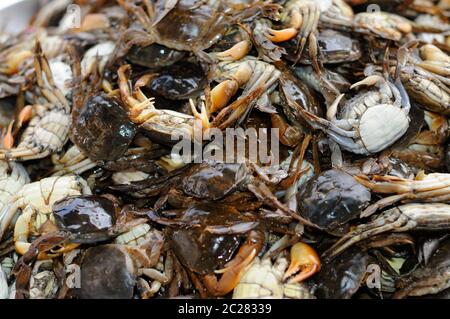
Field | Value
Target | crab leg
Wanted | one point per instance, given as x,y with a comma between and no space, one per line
77,168
236,110
311,15
392,184
391,221
382,203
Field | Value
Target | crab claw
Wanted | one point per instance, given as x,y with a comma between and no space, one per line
225,90
303,259
8,139
202,115
221,94
236,52
281,35
368,81
25,115
234,269
21,244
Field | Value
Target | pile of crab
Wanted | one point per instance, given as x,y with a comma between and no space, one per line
94,203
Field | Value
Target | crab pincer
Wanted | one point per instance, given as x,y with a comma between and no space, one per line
305,262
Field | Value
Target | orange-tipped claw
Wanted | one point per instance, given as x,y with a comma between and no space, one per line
25,115
234,269
221,94
282,35
236,52
8,139
304,259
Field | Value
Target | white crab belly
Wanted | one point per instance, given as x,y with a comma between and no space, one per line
381,126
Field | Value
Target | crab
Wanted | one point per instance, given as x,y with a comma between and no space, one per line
302,19
187,25
426,150
231,240
431,278
433,187
257,78
47,131
383,24
426,79
371,121
34,201
16,61
162,125
403,218
134,255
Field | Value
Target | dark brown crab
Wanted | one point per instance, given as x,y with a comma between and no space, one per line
340,278
212,238
331,199
189,25
429,279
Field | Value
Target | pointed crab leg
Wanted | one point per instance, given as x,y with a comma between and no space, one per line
391,220
393,184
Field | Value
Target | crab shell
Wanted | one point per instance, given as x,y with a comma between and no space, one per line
381,126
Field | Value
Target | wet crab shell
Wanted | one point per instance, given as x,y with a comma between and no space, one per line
154,56
201,251
103,130
88,217
107,272
190,27
341,277
331,199
215,180
179,81
335,47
